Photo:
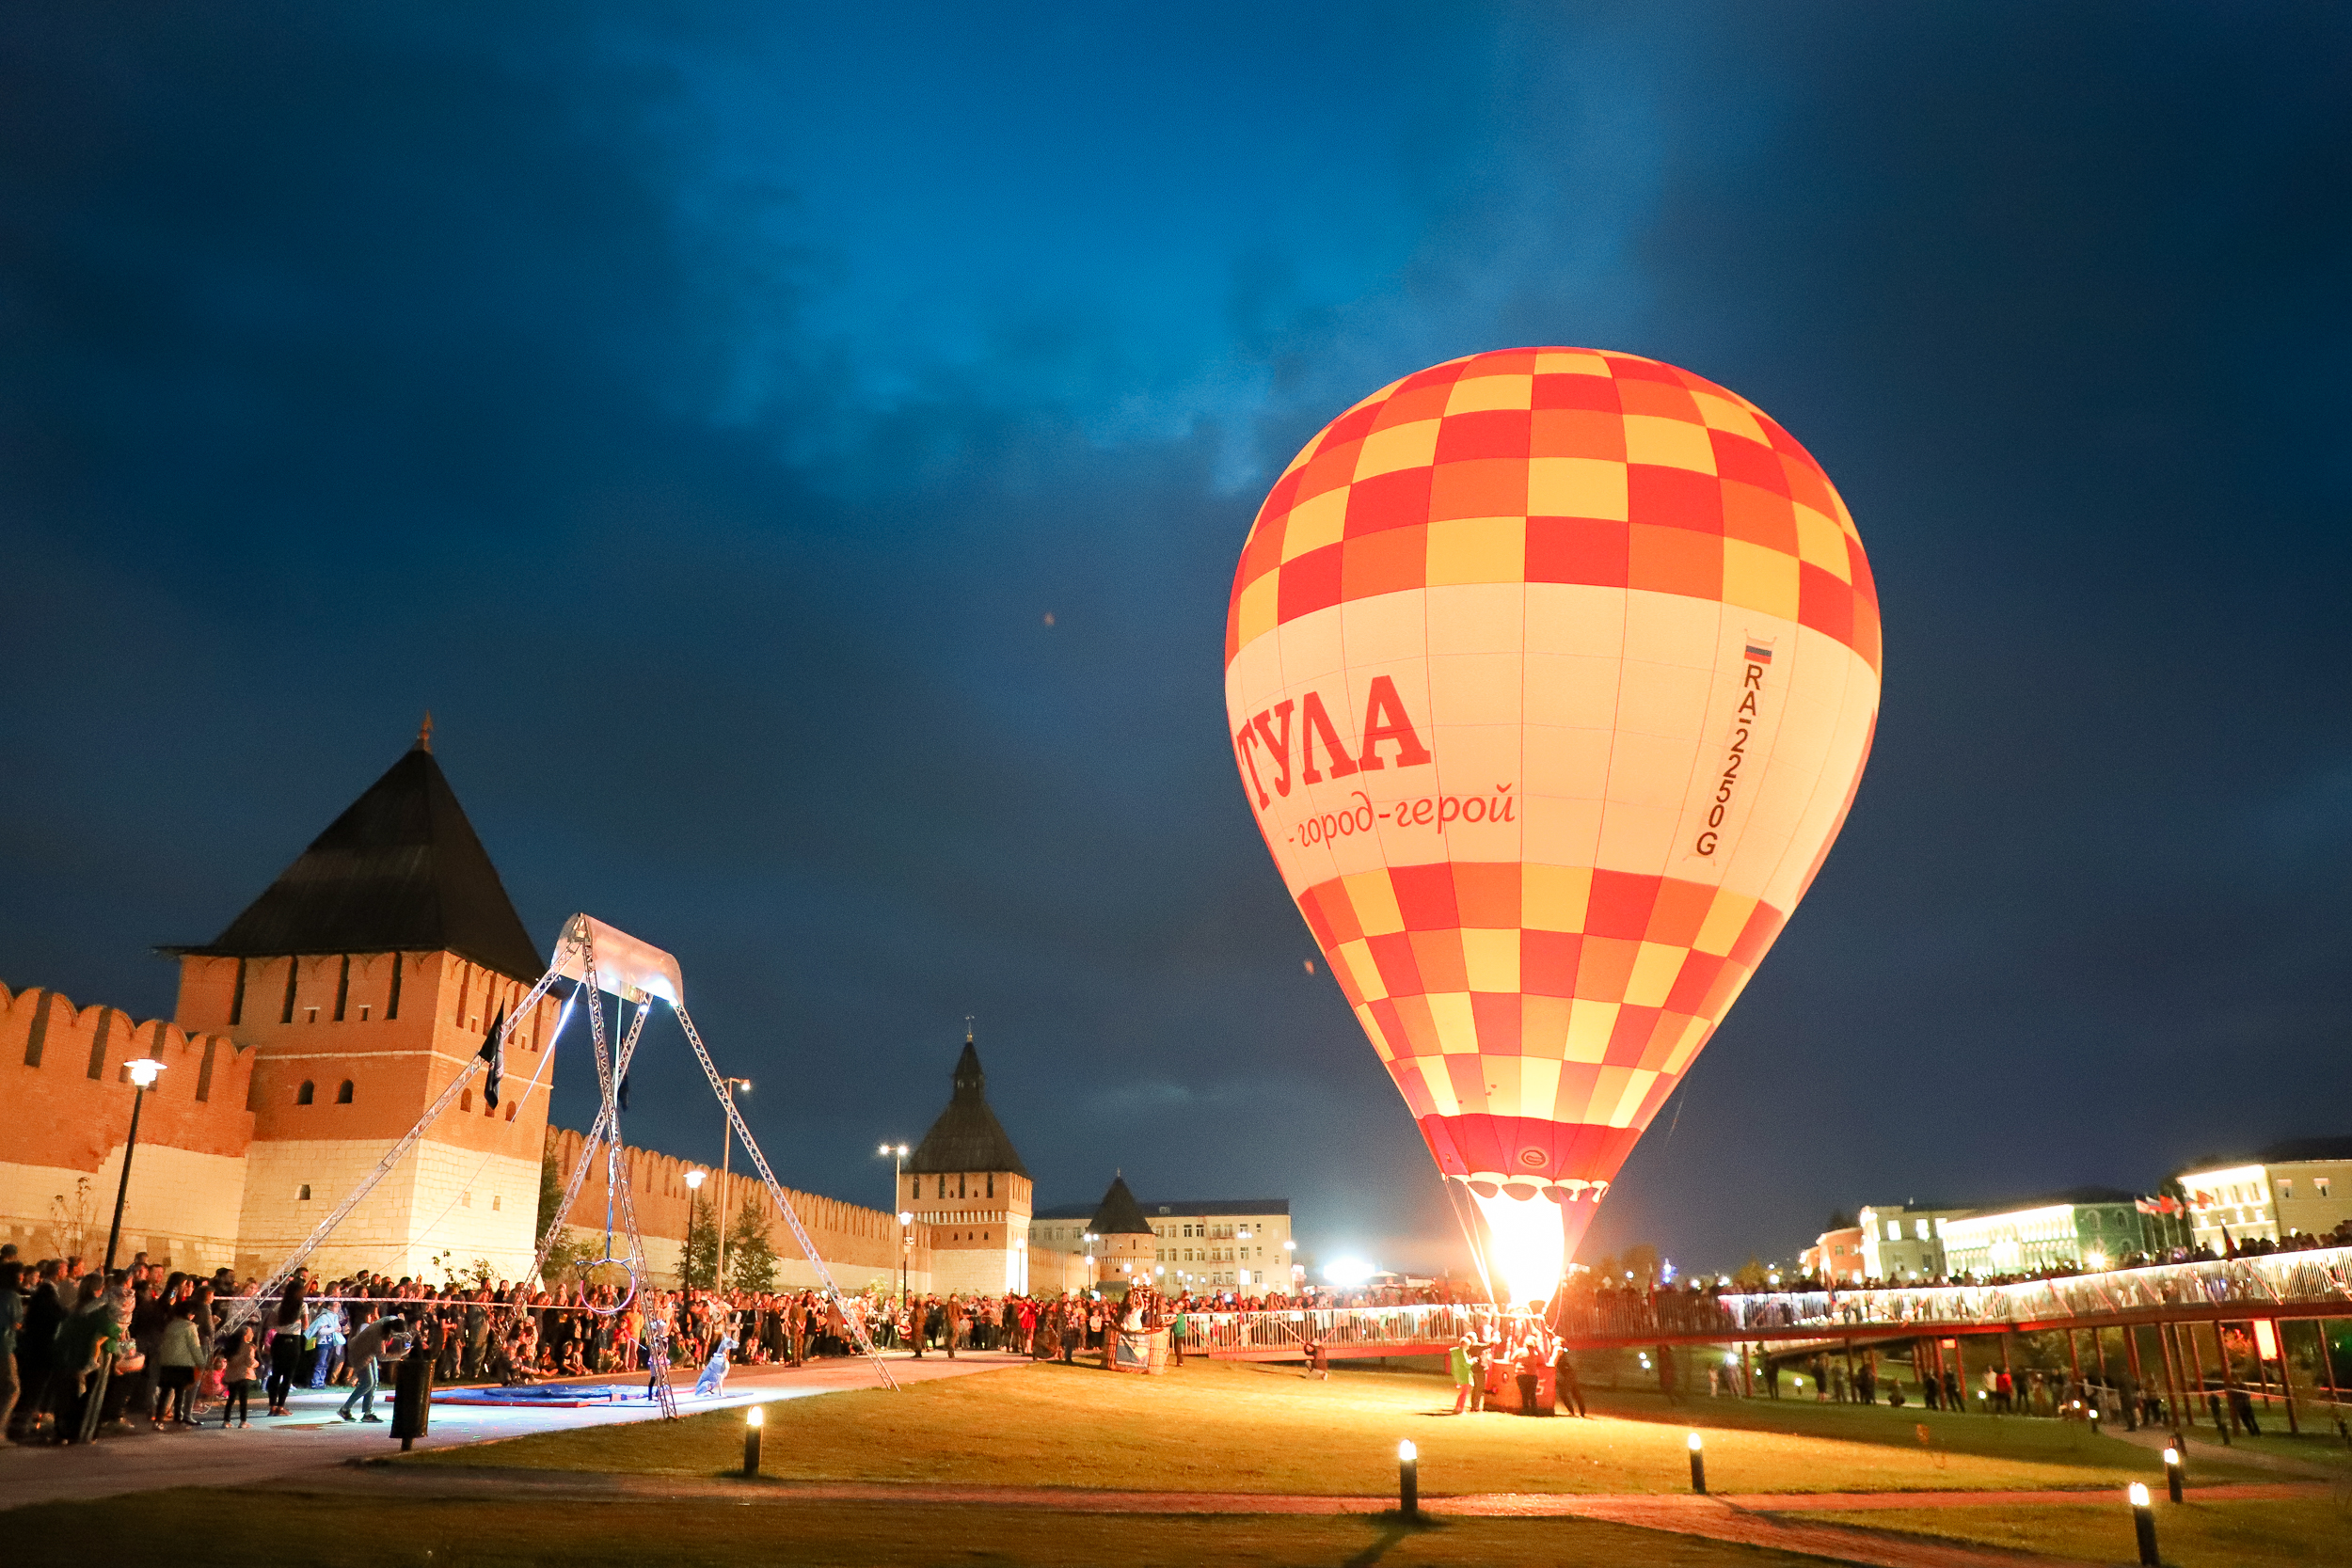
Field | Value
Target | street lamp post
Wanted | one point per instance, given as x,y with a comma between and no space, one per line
143,1073
896,1155
694,1186
726,1161
906,1249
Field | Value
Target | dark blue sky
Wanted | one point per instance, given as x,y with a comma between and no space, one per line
700,408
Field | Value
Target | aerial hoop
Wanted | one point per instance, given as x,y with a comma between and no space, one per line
634,1284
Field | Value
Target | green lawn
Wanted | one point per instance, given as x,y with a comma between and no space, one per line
1238,1427
335,1532
2194,1535
1213,1427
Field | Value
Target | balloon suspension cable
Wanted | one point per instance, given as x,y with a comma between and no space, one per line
1455,1191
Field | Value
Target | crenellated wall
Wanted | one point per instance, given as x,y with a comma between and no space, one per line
858,1244
68,1099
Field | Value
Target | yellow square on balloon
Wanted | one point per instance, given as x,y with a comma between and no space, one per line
1477,549
1412,445
1755,577
1577,487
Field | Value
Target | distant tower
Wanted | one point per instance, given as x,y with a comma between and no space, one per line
1124,1243
968,1187
367,977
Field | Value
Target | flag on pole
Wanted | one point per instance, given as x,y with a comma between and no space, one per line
493,1053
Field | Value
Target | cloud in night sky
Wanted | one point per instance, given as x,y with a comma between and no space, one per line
700,412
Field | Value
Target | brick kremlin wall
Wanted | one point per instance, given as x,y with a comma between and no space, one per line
857,1244
68,1099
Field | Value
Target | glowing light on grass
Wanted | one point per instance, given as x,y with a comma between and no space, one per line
1528,1245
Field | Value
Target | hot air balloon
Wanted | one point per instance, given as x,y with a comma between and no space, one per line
1551,674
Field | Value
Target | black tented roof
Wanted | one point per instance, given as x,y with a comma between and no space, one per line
399,870
967,1137
1120,1214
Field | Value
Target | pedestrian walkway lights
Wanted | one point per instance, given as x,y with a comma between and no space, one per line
1408,1480
1698,1465
2144,1525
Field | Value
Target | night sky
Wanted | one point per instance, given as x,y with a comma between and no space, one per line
703,409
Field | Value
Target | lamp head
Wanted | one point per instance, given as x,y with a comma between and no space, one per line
1406,1452
143,1070
754,1416
2140,1495
1694,1442
693,1181
905,1218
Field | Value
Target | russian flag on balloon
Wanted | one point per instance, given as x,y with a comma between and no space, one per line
1550,675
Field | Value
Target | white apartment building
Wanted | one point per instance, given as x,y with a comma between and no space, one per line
1904,1243
1241,1244
2091,1228
2300,1186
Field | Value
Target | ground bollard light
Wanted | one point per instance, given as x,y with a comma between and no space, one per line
2172,1473
1408,1480
2144,1524
1698,1464
754,1420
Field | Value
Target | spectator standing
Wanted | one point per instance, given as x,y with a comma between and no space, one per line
176,1357
1566,1387
285,1345
236,1380
12,1321
366,1345
80,1339
36,1342
326,1335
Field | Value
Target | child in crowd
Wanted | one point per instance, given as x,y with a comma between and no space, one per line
236,1378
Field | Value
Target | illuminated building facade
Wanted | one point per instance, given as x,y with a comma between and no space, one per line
2090,1228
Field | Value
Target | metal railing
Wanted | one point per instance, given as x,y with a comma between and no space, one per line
2304,1284
2285,1284
1338,1329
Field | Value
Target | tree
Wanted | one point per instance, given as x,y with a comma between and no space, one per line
1641,1261
751,1260
1839,1220
1750,1274
698,1261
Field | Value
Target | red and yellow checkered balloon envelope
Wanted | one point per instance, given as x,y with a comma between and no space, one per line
1551,673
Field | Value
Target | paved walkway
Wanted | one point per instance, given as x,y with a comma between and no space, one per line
311,1439
2209,1451
1755,1520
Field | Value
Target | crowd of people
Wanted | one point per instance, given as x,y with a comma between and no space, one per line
164,1349
160,1349
1502,1356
